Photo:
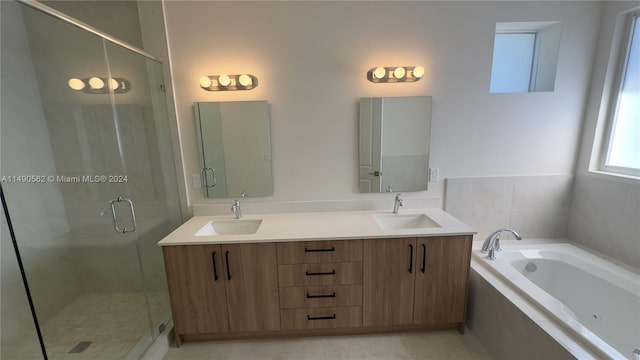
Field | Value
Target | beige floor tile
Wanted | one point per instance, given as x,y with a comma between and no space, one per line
444,345
218,350
407,346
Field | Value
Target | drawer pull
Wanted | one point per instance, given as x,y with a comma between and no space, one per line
331,317
410,258
309,296
226,258
424,258
333,272
331,249
215,268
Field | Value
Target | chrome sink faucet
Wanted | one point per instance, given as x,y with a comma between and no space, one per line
397,203
492,243
236,209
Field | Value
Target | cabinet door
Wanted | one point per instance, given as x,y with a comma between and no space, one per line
196,288
388,275
441,279
251,276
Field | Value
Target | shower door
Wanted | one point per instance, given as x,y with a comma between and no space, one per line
88,174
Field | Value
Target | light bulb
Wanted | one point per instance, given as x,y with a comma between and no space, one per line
76,84
244,80
96,83
379,72
418,72
205,82
224,80
114,84
399,72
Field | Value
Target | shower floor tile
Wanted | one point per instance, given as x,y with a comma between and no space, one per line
113,323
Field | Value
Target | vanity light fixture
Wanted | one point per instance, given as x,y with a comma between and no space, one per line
393,74
98,85
225,82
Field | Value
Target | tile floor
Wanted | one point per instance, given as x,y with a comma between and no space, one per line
114,323
440,345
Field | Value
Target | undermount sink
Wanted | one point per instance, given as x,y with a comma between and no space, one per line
229,227
404,221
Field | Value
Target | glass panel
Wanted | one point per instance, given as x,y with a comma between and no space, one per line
85,277
18,338
624,147
146,143
512,60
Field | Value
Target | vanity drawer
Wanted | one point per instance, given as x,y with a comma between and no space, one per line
320,274
321,318
320,296
309,252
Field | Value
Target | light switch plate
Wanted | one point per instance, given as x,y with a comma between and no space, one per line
434,174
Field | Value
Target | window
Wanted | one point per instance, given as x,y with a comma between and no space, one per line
525,57
512,61
622,153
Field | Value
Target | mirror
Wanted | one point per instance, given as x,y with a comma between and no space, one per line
235,148
393,144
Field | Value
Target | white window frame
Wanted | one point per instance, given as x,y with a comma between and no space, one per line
620,71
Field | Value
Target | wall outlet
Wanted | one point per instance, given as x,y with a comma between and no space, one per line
434,174
196,181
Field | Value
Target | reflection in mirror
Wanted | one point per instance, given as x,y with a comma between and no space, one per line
235,148
394,144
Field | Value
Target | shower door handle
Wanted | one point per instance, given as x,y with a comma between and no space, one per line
205,179
114,215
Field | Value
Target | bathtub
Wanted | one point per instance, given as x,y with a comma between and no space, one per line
595,302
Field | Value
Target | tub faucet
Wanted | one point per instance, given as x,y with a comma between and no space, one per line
397,203
236,209
492,243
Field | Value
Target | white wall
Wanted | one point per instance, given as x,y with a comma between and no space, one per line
311,59
605,209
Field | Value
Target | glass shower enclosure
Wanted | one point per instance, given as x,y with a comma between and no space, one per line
89,178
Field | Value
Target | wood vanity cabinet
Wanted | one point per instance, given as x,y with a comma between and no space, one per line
320,284
317,287
223,288
415,281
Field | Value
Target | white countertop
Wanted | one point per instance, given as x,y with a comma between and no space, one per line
339,225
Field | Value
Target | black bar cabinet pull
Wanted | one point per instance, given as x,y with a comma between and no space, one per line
320,250
226,258
309,296
333,272
332,317
215,268
424,257
410,258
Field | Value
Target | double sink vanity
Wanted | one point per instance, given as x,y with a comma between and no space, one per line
317,273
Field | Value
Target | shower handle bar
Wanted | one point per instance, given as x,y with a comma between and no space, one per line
205,179
116,226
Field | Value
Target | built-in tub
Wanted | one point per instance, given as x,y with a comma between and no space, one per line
596,301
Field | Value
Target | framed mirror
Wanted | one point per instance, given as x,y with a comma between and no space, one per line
235,148
393,144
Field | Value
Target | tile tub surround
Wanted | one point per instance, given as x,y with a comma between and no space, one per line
604,217
444,345
502,304
503,329
535,206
